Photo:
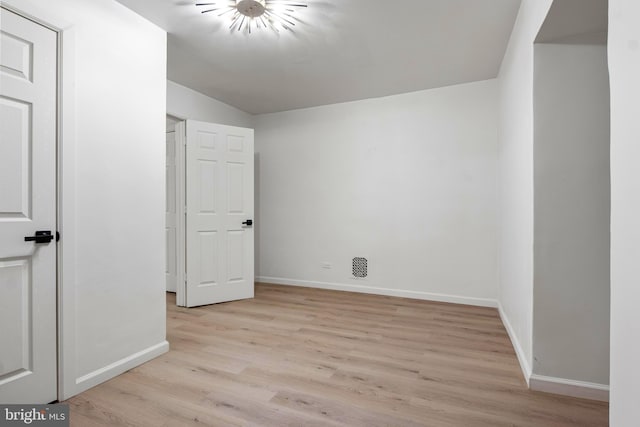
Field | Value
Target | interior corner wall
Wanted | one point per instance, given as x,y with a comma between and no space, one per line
185,103
572,212
111,190
515,259
407,182
624,70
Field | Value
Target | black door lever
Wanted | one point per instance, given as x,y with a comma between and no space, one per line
248,222
40,237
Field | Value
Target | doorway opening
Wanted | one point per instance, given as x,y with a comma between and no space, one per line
572,191
209,212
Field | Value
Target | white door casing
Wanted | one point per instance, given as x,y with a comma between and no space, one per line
28,333
219,198
171,215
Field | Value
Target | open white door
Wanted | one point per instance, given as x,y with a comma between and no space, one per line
219,213
27,211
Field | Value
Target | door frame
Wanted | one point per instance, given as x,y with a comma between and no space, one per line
179,196
180,130
181,182
68,384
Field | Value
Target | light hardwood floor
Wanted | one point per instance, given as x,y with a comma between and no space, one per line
308,357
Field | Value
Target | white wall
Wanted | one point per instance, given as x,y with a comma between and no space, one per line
112,188
624,69
572,206
185,103
516,180
407,181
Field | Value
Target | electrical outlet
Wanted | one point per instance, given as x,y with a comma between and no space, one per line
326,265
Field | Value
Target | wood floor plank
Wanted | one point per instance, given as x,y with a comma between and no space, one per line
297,356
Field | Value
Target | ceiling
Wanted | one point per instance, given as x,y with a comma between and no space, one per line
342,50
576,21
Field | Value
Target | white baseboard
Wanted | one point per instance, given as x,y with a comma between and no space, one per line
553,385
582,389
455,299
101,375
522,359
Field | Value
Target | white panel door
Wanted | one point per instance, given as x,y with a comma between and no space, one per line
27,204
171,215
219,213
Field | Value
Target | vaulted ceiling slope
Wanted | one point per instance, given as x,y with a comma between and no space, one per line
342,50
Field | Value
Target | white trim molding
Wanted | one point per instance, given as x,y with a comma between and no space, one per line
563,386
181,176
581,389
522,359
402,293
118,367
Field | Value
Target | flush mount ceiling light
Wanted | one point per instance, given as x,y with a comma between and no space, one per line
247,14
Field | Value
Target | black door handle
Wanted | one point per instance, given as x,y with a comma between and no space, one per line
44,236
248,222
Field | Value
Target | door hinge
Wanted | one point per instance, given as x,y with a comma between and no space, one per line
57,236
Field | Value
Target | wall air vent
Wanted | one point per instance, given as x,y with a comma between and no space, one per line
359,267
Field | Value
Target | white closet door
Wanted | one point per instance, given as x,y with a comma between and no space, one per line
27,206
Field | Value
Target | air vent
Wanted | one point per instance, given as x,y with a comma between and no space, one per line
359,267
